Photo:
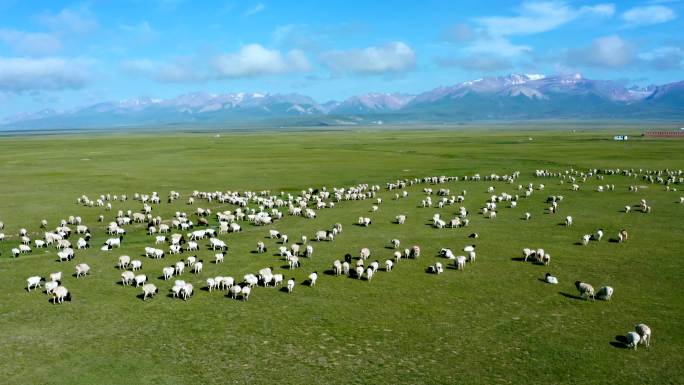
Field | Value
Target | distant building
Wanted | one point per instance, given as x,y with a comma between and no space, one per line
620,137
664,134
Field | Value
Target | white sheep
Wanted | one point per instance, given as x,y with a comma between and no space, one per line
56,277
124,261
140,279
186,291
622,236
388,265
364,253
605,293
50,287
33,282
278,279
127,277
644,333
60,294
245,293
585,289
585,239
290,285
528,216
312,278
395,243
568,220
633,339
197,268
149,290
82,269
460,262
337,267
136,265
212,284
359,271
168,272
219,257
369,273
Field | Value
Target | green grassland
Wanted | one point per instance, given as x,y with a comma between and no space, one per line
494,322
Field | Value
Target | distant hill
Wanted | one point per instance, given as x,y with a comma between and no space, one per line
512,97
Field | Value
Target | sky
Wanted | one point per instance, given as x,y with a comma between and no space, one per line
62,55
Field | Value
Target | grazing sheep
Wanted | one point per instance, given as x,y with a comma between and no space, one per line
337,267
261,247
127,277
585,239
388,265
149,290
633,339
528,216
50,287
605,293
369,273
191,261
197,268
359,271
293,261
124,261
82,269
278,279
345,268
186,291
364,253
218,258
548,278
628,209
568,220
395,243
56,277
599,235
168,272
60,294
545,259
312,278
415,251
234,291
136,265
437,268
644,333
180,267
308,251
460,262
400,219
245,293
375,265
397,255
622,236
177,288
33,282
290,285
211,284
585,290
140,279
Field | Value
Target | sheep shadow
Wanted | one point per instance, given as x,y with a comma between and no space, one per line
205,288
283,289
285,267
579,244
614,240
573,296
140,296
389,247
518,259
620,342
542,280
329,272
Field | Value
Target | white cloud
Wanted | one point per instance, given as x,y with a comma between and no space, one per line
391,57
663,58
255,9
648,15
70,20
537,17
251,60
43,74
30,43
179,70
493,34
607,51
142,32
255,60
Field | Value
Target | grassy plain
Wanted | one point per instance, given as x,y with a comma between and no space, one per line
495,322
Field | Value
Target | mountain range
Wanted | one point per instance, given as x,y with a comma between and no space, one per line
512,97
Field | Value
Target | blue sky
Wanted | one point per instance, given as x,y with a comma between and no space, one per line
60,55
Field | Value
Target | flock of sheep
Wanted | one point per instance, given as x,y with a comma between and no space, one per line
185,233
